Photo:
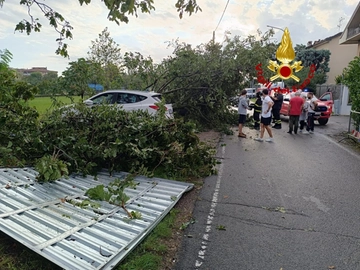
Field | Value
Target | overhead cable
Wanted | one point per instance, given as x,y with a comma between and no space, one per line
222,15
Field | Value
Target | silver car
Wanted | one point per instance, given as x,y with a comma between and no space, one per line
131,100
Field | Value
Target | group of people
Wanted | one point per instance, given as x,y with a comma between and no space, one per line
265,119
265,107
300,110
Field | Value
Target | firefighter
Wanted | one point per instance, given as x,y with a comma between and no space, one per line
257,110
278,100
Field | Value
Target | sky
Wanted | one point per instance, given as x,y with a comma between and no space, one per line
307,20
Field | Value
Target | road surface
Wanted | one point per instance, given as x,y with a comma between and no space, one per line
290,205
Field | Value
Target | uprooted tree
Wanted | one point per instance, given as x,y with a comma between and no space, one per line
82,139
199,81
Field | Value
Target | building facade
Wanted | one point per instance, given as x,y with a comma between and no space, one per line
340,56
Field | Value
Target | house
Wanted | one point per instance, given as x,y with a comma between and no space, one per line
340,55
351,33
351,37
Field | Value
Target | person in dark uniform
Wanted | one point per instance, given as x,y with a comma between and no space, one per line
257,110
278,100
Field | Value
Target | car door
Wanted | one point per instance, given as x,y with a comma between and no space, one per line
103,98
327,98
131,101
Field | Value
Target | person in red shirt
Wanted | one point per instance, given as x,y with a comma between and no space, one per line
294,111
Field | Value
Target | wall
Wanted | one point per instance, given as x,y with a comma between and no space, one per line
340,95
345,107
340,56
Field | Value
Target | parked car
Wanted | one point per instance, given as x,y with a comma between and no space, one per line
131,100
323,112
234,101
251,92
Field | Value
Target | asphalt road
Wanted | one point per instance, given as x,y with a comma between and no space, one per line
288,205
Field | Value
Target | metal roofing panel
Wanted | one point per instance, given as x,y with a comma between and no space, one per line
41,217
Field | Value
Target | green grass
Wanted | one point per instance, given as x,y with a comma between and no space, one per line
149,254
42,104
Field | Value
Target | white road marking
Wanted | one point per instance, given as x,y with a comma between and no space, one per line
214,202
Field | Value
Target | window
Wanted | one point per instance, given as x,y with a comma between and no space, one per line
157,97
326,97
106,98
124,98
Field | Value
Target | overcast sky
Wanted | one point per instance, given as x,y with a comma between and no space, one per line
307,20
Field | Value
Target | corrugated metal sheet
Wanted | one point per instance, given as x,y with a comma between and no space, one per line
41,216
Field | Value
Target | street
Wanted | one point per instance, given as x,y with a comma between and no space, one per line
288,205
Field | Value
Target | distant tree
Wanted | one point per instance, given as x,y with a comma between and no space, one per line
299,47
78,75
50,76
34,78
320,58
139,71
119,10
107,53
104,50
49,85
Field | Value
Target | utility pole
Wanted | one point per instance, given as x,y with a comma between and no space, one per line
213,36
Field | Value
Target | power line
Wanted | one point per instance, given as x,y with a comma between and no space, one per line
222,15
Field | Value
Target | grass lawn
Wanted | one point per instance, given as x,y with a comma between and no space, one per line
43,103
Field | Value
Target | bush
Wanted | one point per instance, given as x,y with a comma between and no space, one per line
107,137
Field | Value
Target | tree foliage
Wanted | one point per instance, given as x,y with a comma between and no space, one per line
82,139
107,54
18,121
351,78
139,71
320,58
106,137
119,11
79,74
5,58
104,50
199,81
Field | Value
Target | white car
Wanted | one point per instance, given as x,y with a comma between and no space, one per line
251,92
131,100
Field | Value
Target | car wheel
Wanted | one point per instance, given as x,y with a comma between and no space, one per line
323,121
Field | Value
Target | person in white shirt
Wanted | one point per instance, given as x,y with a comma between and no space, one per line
311,112
265,122
304,115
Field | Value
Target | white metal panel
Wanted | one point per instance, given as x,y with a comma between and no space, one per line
40,216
